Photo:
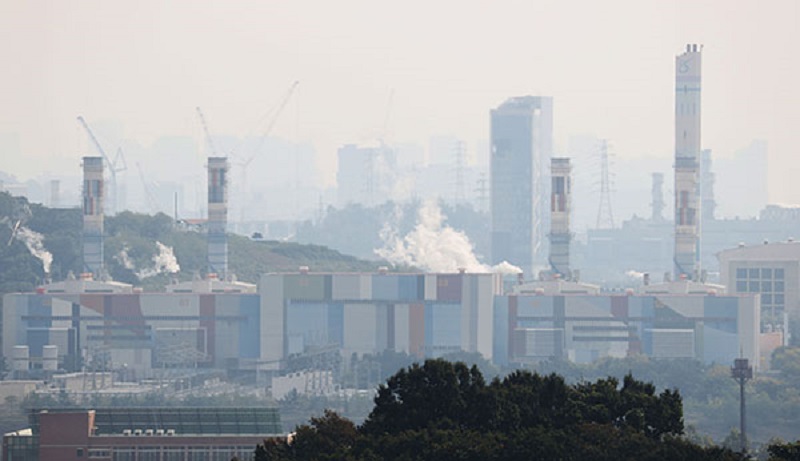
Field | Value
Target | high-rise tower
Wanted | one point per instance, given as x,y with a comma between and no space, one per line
93,186
521,146
560,204
687,155
217,216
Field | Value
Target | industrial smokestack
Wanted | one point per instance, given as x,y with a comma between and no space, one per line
217,216
93,189
687,154
560,198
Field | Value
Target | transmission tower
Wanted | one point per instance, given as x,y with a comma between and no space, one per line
459,152
605,217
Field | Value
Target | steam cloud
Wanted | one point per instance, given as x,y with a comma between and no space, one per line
35,243
163,262
123,258
433,246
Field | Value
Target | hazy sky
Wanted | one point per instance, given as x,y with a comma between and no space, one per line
608,65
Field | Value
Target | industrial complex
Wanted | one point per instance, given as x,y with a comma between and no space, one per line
89,323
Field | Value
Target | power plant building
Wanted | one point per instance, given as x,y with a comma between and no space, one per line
771,271
584,328
427,315
521,147
110,329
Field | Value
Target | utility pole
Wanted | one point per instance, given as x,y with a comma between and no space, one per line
742,372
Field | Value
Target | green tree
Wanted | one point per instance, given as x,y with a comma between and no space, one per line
783,451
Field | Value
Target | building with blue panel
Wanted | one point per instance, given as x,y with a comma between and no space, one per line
426,315
134,331
582,328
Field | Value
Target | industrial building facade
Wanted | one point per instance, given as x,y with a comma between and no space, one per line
426,315
770,271
584,328
143,434
521,147
135,331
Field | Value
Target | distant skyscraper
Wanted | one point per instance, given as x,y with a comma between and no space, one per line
687,154
741,181
521,146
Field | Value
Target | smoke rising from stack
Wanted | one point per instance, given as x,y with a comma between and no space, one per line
164,262
35,243
434,246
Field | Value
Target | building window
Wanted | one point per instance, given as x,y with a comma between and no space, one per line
79,453
769,283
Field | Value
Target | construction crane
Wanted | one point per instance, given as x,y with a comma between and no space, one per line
118,165
271,123
152,201
245,164
207,132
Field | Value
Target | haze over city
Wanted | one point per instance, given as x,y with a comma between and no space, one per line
402,72
427,230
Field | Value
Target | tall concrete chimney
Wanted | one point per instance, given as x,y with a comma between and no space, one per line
217,216
560,198
687,154
93,190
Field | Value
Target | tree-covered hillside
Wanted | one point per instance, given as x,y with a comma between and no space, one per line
139,249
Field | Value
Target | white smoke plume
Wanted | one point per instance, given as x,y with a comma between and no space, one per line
123,258
433,246
163,262
636,275
506,268
35,243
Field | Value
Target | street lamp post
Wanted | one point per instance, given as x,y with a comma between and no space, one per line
742,371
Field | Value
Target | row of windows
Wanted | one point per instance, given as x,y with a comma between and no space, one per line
760,273
220,453
744,286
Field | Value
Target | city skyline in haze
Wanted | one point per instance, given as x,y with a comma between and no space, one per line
397,72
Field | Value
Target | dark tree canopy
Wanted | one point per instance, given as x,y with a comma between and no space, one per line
446,411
